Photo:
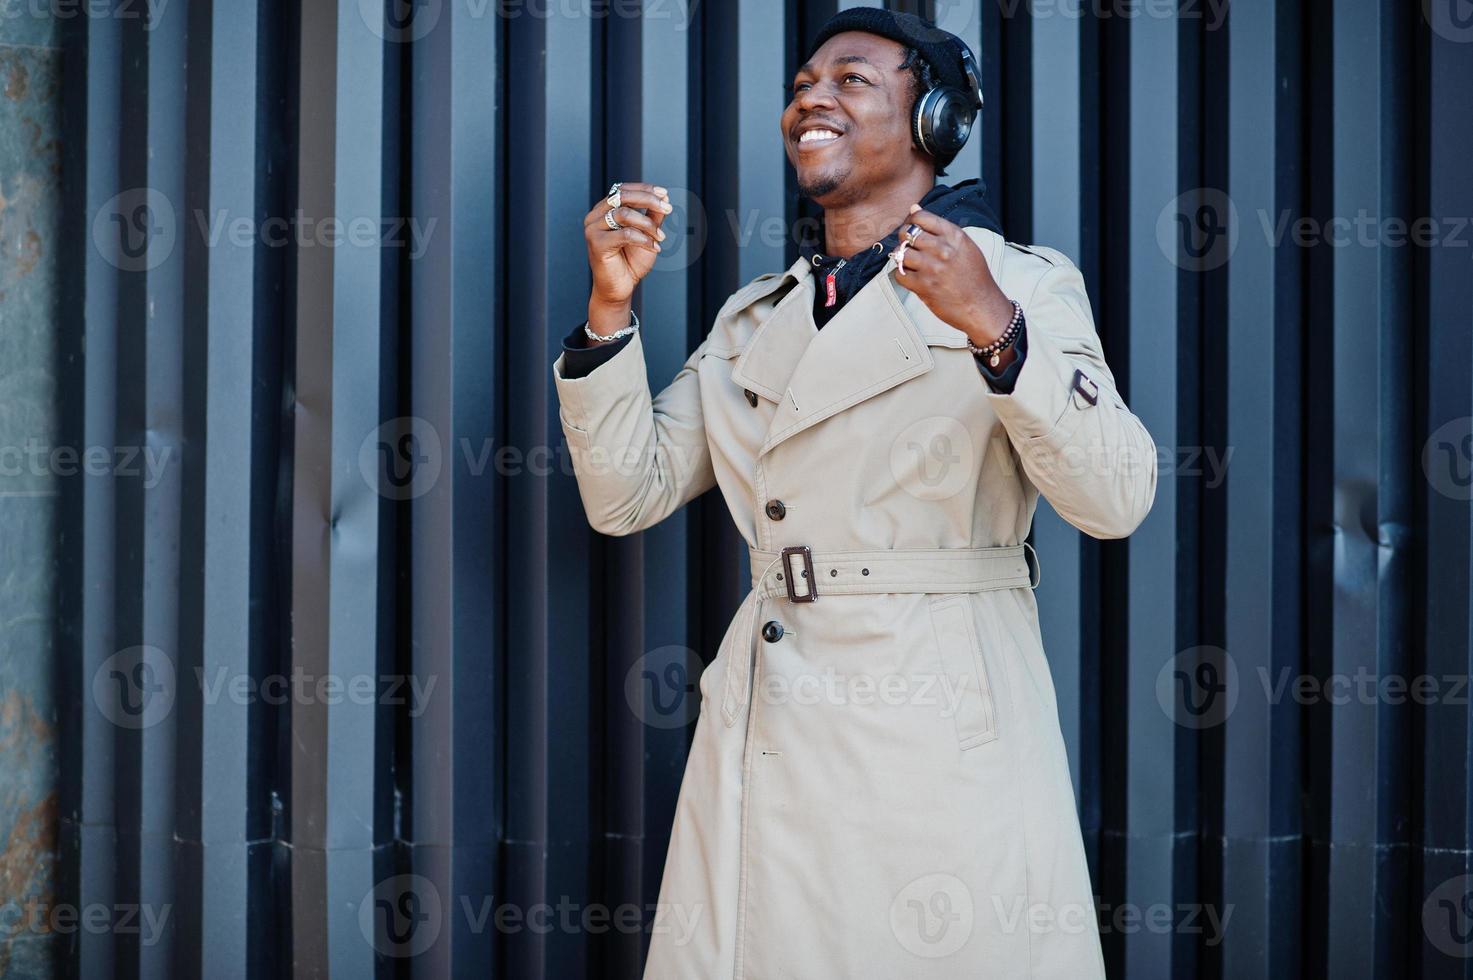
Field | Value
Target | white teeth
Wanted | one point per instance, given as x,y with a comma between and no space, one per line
817,135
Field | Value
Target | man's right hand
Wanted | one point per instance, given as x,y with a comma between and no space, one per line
621,257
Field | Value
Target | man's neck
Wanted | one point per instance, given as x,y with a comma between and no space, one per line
852,227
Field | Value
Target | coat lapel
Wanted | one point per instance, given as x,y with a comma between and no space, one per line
880,339
869,347
779,340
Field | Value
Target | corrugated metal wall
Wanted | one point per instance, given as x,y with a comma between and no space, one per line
342,674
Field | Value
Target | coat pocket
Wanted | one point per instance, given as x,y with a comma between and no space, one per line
966,691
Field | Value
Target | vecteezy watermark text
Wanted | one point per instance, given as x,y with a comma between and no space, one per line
39,917
403,915
37,458
304,231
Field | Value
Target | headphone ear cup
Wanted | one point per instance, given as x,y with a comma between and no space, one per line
943,121
920,121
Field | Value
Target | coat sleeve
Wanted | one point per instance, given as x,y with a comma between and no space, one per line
1089,456
637,459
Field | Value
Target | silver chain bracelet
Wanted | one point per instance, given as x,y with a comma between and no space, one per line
617,334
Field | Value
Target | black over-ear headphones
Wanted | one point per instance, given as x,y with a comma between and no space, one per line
943,115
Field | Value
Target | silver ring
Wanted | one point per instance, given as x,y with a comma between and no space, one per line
609,220
914,231
614,197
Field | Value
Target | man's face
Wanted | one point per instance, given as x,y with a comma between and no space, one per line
853,86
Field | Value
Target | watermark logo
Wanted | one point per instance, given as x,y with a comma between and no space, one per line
1447,917
662,687
400,21
1451,20
401,459
1198,230
401,916
135,688
685,229
1198,688
136,230
933,459
956,15
1447,459
933,916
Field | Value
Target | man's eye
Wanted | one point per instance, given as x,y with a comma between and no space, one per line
856,77
798,86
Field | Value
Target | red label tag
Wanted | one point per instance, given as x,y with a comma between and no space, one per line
833,293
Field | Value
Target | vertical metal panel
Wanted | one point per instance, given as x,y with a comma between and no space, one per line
88,354
966,22
1057,221
1154,618
1444,356
548,815
1365,515
1262,595
456,799
149,416
215,617
762,162
335,514
639,96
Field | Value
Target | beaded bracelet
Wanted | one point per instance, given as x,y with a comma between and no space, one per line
993,351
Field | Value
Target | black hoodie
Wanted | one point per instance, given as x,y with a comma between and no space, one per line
965,205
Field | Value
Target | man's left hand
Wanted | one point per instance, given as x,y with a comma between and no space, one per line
946,269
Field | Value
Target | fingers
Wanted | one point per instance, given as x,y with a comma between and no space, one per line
931,234
642,209
932,239
647,200
914,264
926,249
635,219
611,239
933,224
634,194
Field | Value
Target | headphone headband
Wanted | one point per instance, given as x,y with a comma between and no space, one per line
973,73
943,115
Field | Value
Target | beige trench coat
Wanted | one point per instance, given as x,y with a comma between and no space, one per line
877,786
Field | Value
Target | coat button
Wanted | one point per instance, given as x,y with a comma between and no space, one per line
751,397
772,631
776,509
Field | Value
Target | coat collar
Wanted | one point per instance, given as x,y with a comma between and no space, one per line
880,339
777,344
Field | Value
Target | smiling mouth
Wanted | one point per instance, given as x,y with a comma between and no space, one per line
819,137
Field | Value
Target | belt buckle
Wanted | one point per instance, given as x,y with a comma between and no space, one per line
807,553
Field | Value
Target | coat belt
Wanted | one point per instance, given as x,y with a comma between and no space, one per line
926,570
945,570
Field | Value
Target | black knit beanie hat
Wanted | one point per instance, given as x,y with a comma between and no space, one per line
937,47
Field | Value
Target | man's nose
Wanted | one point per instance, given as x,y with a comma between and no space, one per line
815,97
